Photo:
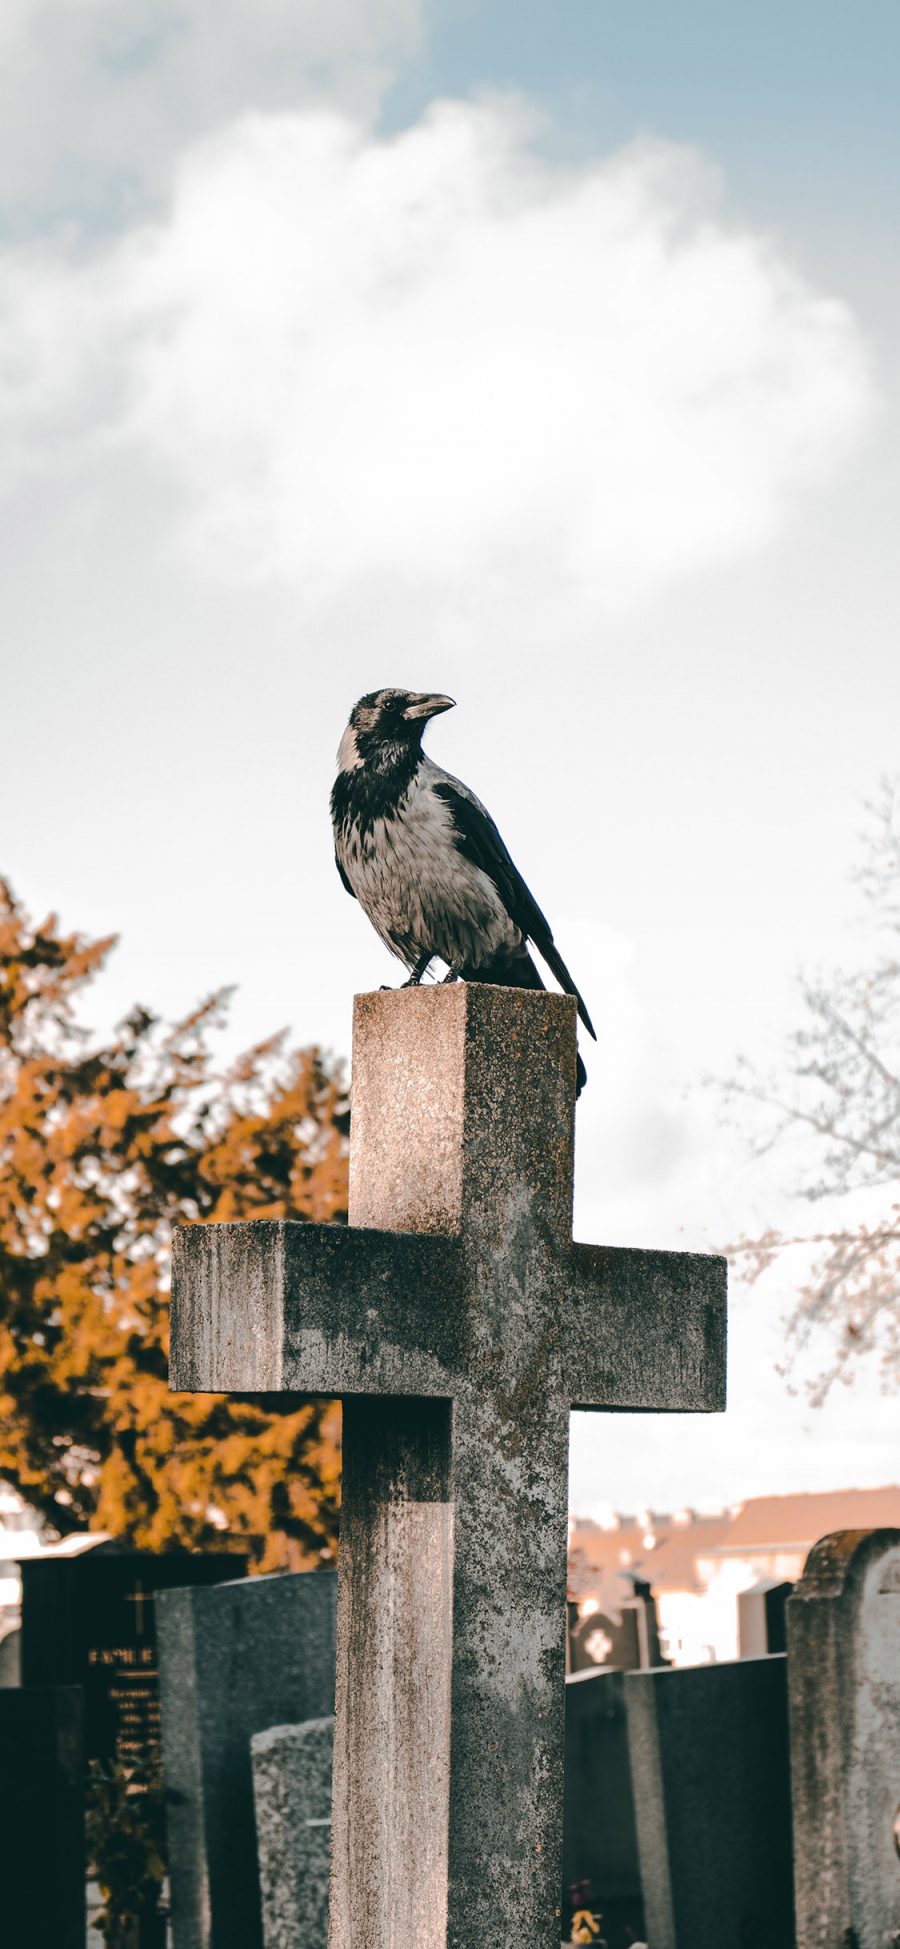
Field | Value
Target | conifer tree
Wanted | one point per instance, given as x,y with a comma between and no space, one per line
105,1145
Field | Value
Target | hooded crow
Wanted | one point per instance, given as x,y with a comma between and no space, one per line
424,858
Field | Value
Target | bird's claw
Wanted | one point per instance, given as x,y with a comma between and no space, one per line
421,968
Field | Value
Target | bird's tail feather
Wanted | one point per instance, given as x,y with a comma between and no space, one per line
558,967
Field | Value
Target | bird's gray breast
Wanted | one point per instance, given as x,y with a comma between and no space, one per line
419,891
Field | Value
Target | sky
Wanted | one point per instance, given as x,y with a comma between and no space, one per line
542,356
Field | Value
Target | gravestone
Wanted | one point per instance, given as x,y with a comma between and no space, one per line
89,1620
762,1618
234,1659
613,1642
599,1832
460,1324
844,1670
624,1638
292,1788
710,1770
42,1856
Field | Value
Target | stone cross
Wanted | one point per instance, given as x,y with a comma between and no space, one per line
460,1324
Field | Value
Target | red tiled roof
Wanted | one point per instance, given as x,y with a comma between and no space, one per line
669,1565
762,1525
799,1521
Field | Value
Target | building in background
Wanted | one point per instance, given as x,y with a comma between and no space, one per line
697,1566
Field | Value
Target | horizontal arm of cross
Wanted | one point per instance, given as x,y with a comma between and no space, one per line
272,1305
645,1330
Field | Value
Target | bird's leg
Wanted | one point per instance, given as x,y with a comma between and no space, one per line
421,968
414,980
454,972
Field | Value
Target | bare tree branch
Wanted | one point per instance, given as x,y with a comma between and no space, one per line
838,1097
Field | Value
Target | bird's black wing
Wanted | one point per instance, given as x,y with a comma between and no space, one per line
343,874
479,841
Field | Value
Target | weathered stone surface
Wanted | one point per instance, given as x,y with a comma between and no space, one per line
599,1832
292,1791
444,1133
844,1670
460,1324
42,1856
234,1660
711,1777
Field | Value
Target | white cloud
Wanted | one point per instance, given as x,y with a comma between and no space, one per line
442,359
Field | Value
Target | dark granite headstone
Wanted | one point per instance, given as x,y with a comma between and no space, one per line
710,1770
90,1620
42,1861
762,1612
599,1833
233,1662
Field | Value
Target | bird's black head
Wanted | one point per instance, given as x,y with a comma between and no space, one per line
385,728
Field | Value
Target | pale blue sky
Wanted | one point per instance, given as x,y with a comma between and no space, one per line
797,103
797,99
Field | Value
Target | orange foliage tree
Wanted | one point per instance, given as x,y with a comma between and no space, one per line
104,1146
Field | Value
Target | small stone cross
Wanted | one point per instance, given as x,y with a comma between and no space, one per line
460,1324
139,1597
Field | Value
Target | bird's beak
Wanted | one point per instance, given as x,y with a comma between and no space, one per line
428,705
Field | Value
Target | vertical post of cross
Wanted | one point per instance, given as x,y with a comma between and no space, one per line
451,1610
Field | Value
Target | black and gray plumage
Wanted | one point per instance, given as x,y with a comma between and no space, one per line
424,858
